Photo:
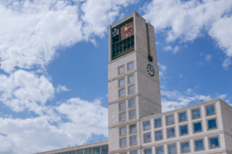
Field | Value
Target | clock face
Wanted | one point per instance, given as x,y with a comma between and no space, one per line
150,70
127,30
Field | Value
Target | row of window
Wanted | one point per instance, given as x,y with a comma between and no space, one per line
131,89
210,110
183,130
184,146
131,79
121,69
131,104
122,116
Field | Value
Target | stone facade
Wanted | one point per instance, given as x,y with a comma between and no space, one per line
136,123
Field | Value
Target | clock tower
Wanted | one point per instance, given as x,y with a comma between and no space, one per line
133,82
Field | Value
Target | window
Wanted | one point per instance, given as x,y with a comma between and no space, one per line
122,116
212,124
131,79
184,130
123,131
159,150
132,128
104,149
172,149
123,142
121,92
132,114
96,150
210,110
147,151
197,127
199,145
131,103
134,152
146,125
79,151
170,120
73,152
87,151
158,135
185,147
196,113
171,132
121,82
130,66
182,117
214,143
133,140
122,106
121,70
131,89
158,123
147,137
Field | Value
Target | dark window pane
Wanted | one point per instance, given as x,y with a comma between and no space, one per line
123,131
212,124
87,151
170,120
172,149
65,153
135,152
171,132
147,137
197,127
214,142
196,113
133,140
132,114
104,149
185,147
132,128
122,106
71,152
96,150
183,130
160,150
199,145
79,151
132,103
146,125
210,110
158,123
148,151
182,117
158,135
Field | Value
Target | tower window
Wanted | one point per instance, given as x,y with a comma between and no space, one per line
184,130
133,140
121,92
131,103
121,70
131,79
160,150
122,106
146,125
121,82
132,128
122,116
199,145
185,147
182,116
214,143
171,132
123,142
132,114
131,89
123,131
212,124
158,123
196,113
147,137
210,110
170,120
158,135
172,149
130,66
197,127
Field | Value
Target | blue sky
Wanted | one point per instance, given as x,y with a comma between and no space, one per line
54,55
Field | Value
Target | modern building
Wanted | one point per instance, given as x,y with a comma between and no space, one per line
136,122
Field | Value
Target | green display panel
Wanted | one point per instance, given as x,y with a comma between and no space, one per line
122,37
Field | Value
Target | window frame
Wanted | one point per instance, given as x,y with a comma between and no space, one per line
119,106
171,145
128,65
195,150
119,82
120,131
129,114
136,140
192,113
167,120
179,116
119,69
202,129
187,129
129,80
120,116
147,149
149,124
218,142
189,146
119,92
174,132
129,103
135,128
215,111
161,122
144,137
120,142
207,124
159,147
129,89
161,133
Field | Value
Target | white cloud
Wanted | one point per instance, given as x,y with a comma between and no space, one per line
162,70
185,20
33,135
208,57
168,48
61,88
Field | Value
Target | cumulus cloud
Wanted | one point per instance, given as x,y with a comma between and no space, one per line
61,88
185,20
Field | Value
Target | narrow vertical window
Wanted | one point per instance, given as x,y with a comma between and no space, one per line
146,125
170,120
147,137
158,123
160,150
172,149
131,89
158,135
182,117
132,128
123,142
121,70
132,114
122,116
121,82
130,66
133,140
131,103
131,79
121,92
199,145
210,110
123,131
122,106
